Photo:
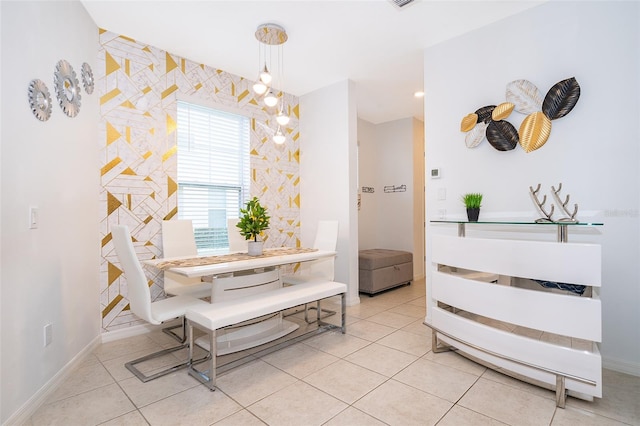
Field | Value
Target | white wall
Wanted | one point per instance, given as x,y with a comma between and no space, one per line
418,199
367,176
391,154
593,151
49,274
328,173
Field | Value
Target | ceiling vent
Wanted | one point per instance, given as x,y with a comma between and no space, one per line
400,4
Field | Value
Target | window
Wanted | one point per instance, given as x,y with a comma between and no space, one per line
213,171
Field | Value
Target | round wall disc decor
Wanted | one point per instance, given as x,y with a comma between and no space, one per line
39,100
67,88
87,78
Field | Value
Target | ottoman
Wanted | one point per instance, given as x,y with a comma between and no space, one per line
382,269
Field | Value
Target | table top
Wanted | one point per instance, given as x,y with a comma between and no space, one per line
212,265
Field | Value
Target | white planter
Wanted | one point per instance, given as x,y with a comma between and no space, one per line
254,248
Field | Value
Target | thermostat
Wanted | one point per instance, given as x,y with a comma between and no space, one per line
435,173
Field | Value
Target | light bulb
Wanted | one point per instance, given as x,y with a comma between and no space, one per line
282,119
279,137
259,87
265,76
270,99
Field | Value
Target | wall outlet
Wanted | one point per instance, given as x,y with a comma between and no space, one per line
48,334
442,214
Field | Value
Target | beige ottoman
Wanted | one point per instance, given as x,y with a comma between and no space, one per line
382,269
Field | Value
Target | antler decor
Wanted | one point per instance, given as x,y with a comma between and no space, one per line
570,217
540,205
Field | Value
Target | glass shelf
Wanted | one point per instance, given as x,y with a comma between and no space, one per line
507,222
563,233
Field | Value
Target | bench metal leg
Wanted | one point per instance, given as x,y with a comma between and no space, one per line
343,322
328,312
206,377
212,360
307,308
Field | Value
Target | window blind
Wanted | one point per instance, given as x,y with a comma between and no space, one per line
213,171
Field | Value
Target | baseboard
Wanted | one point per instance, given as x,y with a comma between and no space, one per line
24,413
632,368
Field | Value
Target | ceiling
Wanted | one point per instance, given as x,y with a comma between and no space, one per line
373,43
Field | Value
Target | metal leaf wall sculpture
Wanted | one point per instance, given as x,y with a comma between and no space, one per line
502,135
561,99
476,124
534,131
490,124
484,113
468,122
502,111
524,97
558,102
476,135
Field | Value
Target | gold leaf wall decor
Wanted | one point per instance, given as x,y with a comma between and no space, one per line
468,122
524,97
534,131
502,111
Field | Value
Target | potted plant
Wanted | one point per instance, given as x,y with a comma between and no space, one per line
253,221
472,202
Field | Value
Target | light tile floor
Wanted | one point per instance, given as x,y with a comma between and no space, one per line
381,372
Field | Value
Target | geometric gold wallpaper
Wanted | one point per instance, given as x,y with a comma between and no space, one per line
139,86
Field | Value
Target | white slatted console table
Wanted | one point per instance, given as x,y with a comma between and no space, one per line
510,322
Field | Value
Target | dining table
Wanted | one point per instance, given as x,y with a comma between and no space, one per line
256,332
204,265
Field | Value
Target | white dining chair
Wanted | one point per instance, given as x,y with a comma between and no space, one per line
178,240
321,269
236,241
141,305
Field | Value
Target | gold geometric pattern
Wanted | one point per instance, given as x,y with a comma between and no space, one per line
138,87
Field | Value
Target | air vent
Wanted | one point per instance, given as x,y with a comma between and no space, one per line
399,4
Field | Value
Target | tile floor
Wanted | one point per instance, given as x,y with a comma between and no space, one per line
381,372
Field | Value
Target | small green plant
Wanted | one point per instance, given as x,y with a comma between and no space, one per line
472,200
254,220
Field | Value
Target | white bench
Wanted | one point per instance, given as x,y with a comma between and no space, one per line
212,317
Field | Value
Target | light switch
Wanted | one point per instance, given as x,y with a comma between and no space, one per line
33,217
442,194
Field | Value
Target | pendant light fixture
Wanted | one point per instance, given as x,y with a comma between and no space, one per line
270,36
279,137
281,117
270,99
